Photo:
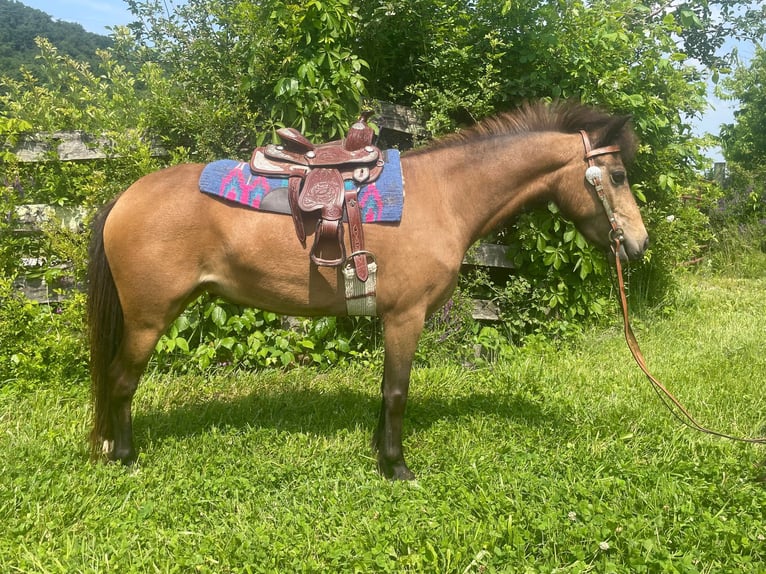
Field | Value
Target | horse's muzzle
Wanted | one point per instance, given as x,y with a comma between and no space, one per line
633,250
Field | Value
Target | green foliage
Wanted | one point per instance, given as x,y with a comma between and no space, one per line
744,143
248,67
450,332
559,282
320,82
69,96
213,333
737,250
10,243
556,258
40,342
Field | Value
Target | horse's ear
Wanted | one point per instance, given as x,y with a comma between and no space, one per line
613,131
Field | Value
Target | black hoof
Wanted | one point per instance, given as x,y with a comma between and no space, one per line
395,471
125,457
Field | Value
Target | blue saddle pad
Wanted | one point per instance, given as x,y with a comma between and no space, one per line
381,201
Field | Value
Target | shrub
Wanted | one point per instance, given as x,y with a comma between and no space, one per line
40,341
214,333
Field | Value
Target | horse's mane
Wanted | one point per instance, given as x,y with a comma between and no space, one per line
537,117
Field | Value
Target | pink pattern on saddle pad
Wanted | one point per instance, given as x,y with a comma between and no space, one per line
247,189
371,203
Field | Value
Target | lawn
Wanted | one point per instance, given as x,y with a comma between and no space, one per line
554,460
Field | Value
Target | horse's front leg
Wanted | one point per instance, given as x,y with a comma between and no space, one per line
401,340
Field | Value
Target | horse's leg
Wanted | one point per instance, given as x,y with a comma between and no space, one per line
149,304
125,372
401,340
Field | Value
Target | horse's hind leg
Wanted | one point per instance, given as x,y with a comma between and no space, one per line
124,373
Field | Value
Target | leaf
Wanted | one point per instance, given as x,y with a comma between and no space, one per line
182,323
218,316
228,342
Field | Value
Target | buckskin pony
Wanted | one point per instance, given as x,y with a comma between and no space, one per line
162,243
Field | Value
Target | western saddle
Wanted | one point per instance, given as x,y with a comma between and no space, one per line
316,177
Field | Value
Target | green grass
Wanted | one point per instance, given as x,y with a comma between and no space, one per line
553,461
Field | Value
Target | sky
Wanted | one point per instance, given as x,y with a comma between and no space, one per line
96,15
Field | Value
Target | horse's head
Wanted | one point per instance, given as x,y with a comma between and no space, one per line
599,199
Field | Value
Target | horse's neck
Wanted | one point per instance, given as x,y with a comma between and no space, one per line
481,184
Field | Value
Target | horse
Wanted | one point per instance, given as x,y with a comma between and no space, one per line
161,243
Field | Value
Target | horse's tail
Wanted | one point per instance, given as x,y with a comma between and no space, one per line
105,326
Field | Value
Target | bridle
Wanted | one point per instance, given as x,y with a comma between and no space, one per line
593,175
616,236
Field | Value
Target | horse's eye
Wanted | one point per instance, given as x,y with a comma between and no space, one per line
618,178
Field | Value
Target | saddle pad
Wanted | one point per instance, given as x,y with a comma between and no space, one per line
381,201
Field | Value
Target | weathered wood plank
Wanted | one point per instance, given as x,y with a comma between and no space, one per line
488,255
31,217
398,118
484,310
69,146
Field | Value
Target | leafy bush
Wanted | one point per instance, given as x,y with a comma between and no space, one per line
40,341
214,333
743,198
559,281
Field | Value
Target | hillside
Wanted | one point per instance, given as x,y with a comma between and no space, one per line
20,25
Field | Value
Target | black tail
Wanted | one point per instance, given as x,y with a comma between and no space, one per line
105,326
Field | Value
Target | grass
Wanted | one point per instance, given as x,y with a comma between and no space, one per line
554,461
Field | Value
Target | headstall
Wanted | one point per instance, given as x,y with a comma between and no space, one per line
594,176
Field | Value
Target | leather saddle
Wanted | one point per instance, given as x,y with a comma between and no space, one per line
316,185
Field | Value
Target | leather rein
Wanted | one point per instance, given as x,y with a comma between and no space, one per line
616,236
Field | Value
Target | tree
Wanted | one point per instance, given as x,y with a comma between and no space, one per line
20,25
235,69
744,141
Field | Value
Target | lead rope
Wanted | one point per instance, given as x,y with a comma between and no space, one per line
616,235
662,392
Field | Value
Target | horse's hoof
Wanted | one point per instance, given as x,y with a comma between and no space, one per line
402,473
395,471
125,457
